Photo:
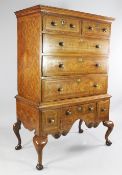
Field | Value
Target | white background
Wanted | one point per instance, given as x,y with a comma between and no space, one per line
81,151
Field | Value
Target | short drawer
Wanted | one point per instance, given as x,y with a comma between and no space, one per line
93,28
51,120
61,24
57,66
103,109
65,44
68,116
90,115
62,88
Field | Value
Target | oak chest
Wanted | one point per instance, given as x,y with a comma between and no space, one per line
62,72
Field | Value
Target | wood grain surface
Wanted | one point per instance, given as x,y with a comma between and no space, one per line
62,72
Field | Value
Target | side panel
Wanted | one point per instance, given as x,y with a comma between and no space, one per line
29,115
29,29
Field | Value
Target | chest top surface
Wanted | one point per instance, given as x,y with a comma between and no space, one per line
55,10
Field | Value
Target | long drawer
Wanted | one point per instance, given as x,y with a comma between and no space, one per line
62,118
67,44
57,66
80,86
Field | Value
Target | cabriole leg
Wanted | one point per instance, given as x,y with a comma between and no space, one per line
16,128
80,123
39,143
110,126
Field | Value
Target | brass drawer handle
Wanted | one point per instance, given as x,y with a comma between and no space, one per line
91,108
90,28
68,112
80,109
98,65
60,89
78,80
80,60
53,23
103,110
61,65
61,43
98,46
104,30
51,121
62,22
72,26
95,85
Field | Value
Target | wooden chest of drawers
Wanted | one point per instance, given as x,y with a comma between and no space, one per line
62,72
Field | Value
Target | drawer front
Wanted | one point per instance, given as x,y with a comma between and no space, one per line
90,115
56,89
68,117
103,110
54,66
65,44
61,24
95,28
85,111
51,120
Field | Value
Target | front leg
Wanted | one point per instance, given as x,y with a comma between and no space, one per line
110,126
16,128
39,143
80,123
